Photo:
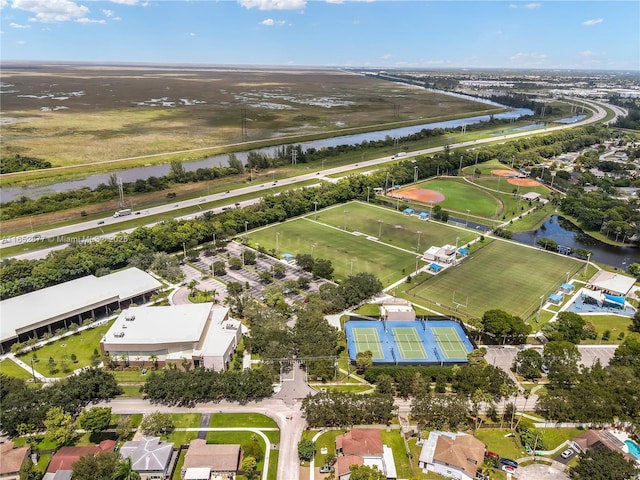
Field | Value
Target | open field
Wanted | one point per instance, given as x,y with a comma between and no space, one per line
502,275
83,115
462,196
396,228
344,249
81,344
11,369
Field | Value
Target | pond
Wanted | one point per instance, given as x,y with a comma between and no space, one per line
565,233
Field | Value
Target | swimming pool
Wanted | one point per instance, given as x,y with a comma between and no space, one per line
634,448
579,306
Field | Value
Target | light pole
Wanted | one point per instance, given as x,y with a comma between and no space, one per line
313,245
379,229
415,174
568,273
586,264
418,247
540,309
386,183
246,225
315,210
368,188
214,241
277,240
460,167
345,220
417,258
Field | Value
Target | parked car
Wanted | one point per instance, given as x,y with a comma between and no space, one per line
326,469
491,454
567,453
508,461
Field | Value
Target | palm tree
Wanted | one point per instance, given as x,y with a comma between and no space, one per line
526,394
153,358
124,471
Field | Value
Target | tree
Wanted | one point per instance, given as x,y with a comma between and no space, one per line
157,423
29,472
384,384
248,466
528,363
278,270
306,450
96,467
60,426
96,419
124,427
561,358
124,470
601,463
253,448
504,327
323,268
235,263
363,472
569,326
305,261
364,360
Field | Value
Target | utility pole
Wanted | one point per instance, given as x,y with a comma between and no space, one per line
294,157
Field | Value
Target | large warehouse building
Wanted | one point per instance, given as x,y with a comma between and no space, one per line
90,297
201,334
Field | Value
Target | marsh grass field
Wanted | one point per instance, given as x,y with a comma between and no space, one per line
84,114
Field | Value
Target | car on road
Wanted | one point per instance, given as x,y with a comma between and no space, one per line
326,469
567,453
101,222
137,213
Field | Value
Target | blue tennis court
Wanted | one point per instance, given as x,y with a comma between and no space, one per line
409,342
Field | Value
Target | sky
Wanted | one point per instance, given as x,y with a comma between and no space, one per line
574,34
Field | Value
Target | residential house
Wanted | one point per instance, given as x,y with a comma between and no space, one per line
11,460
363,446
62,461
149,456
452,455
202,461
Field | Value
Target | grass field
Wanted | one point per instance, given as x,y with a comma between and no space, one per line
392,227
616,325
462,196
348,253
502,275
81,344
11,369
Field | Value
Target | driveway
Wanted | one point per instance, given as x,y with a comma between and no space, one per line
541,471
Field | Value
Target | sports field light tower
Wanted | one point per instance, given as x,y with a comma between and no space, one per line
121,193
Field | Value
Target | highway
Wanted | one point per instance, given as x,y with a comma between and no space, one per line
598,109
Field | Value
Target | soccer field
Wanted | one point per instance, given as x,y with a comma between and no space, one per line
349,253
501,275
394,228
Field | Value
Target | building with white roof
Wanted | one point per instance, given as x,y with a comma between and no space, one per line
150,457
202,334
45,310
397,309
611,283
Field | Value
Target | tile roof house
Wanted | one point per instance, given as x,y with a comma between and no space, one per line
149,456
360,441
595,438
216,459
363,446
11,459
453,455
65,457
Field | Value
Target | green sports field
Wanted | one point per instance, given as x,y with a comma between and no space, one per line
462,196
501,275
347,252
396,228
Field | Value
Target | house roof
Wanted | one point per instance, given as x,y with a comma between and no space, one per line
613,282
148,454
463,451
65,457
11,459
531,196
344,462
364,441
219,458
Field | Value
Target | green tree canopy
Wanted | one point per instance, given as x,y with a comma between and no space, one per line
601,463
96,419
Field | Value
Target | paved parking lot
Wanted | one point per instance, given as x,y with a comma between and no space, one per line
249,274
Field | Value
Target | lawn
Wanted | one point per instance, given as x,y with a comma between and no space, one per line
393,439
502,275
249,420
348,253
328,441
462,196
616,325
496,441
186,420
81,344
553,437
11,369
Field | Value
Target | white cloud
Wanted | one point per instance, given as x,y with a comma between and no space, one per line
17,25
274,4
588,53
3,3
528,58
126,2
512,5
386,56
107,13
21,42
47,11
270,22
334,1
531,6
191,34
86,20
591,23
